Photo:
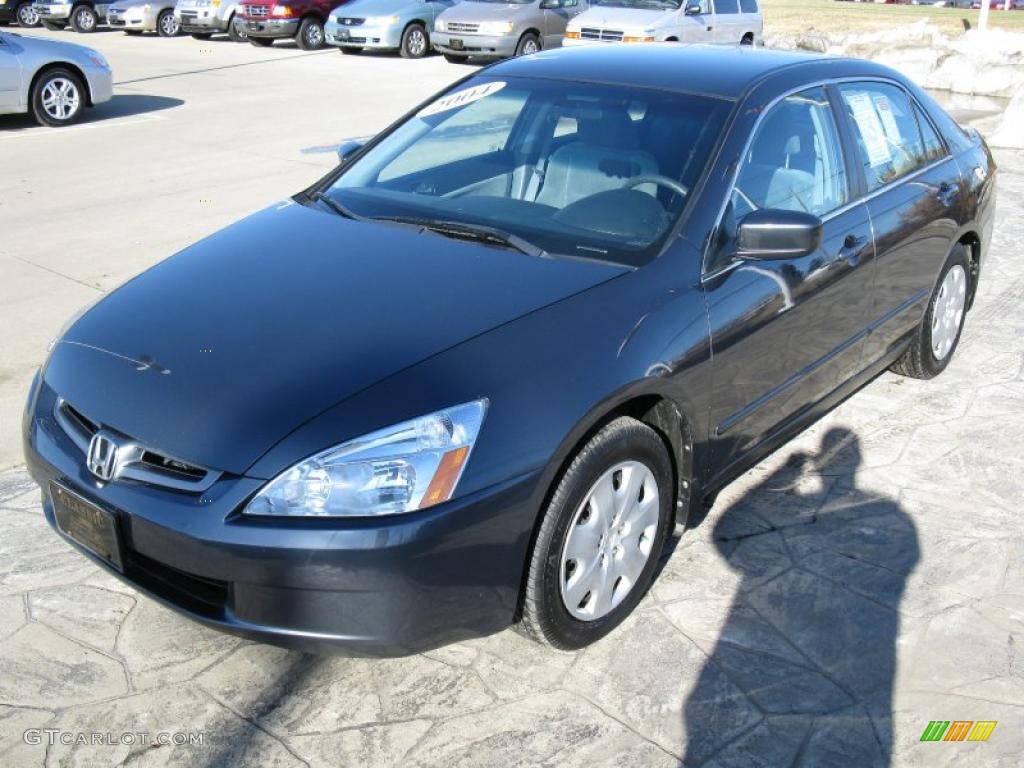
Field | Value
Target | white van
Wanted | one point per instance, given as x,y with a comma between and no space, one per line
655,21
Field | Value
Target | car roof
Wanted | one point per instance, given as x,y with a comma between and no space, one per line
716,70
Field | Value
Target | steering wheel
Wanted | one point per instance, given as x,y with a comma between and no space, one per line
661,181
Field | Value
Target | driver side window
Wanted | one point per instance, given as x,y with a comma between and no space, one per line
795,161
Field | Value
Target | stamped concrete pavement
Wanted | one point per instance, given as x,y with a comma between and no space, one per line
861,582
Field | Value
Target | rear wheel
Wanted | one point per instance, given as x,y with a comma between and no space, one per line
235,32
262,42
58,97
415,43
938,335
600,537
748,39
84,19
311,35
453,58
167,25
26,15
528,43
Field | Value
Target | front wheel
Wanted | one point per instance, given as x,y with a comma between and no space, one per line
261,42
26,15
58,98
415,43
311,35
600,537
167,25
528,43
236,33
938,335
84,19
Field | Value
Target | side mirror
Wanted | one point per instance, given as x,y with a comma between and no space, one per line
550,4
776,234
693,9
348,148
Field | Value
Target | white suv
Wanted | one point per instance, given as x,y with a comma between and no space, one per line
655,21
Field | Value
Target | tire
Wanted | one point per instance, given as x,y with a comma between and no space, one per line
748,39
167,25
84,19
54,26
528,43
415,42
628,450
349,51
311,35
453,58
261,42
937,337
58,83
235,33
26,15
201,35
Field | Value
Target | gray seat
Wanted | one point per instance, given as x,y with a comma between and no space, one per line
603,158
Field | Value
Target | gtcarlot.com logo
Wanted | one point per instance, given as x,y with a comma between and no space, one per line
958,730
54,736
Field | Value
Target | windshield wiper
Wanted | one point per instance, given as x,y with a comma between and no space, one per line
457,230
337,207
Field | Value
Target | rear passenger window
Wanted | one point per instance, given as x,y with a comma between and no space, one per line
933,147
887,131
748,6
795,162
727,6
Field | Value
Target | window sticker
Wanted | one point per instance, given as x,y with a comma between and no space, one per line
461,98
870,127
884,110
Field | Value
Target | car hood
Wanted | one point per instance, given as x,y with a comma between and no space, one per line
57,49
622,18
127,5
468,11
366,8
218,352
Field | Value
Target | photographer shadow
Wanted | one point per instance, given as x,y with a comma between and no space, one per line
810,636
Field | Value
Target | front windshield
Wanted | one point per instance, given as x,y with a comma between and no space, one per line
659,5
576,169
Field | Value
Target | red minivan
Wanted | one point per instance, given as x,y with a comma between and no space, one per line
301,20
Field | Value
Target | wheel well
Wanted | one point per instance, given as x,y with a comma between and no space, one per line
313,16
60,65
671,39
661,415
973,243
747,39
528,31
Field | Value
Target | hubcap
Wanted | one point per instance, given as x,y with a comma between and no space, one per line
530,46
60,98
417,42
609,541
948,313
169,25
27,16
85,19
314,35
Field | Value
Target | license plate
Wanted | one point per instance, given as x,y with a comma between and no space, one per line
456,44
254,25
343,34
91,526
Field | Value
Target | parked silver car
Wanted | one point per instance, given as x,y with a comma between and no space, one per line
135,16
51,79
204,18
501,28
383,25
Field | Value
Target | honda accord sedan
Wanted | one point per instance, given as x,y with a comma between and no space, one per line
478,374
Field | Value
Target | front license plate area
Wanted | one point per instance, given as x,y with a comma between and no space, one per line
89,525
456,44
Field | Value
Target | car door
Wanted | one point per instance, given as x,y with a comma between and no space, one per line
786,332
10,73
695,27
727,22
914,198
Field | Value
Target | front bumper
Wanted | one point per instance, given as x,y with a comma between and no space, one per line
389,586
53,11
269,27
474,45
135,19
101,84
201,21
363,36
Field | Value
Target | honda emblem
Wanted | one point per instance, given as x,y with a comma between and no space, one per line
102,456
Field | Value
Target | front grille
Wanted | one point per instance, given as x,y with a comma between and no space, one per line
347,22
458,26
256,11
136,461
604,35
189,15
198,594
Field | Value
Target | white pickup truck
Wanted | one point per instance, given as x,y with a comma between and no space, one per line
656,21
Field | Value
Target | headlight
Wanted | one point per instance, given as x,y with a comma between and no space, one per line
281,11
495,27
410,466
377,21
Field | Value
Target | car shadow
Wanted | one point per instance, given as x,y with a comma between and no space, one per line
801,671
121,105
